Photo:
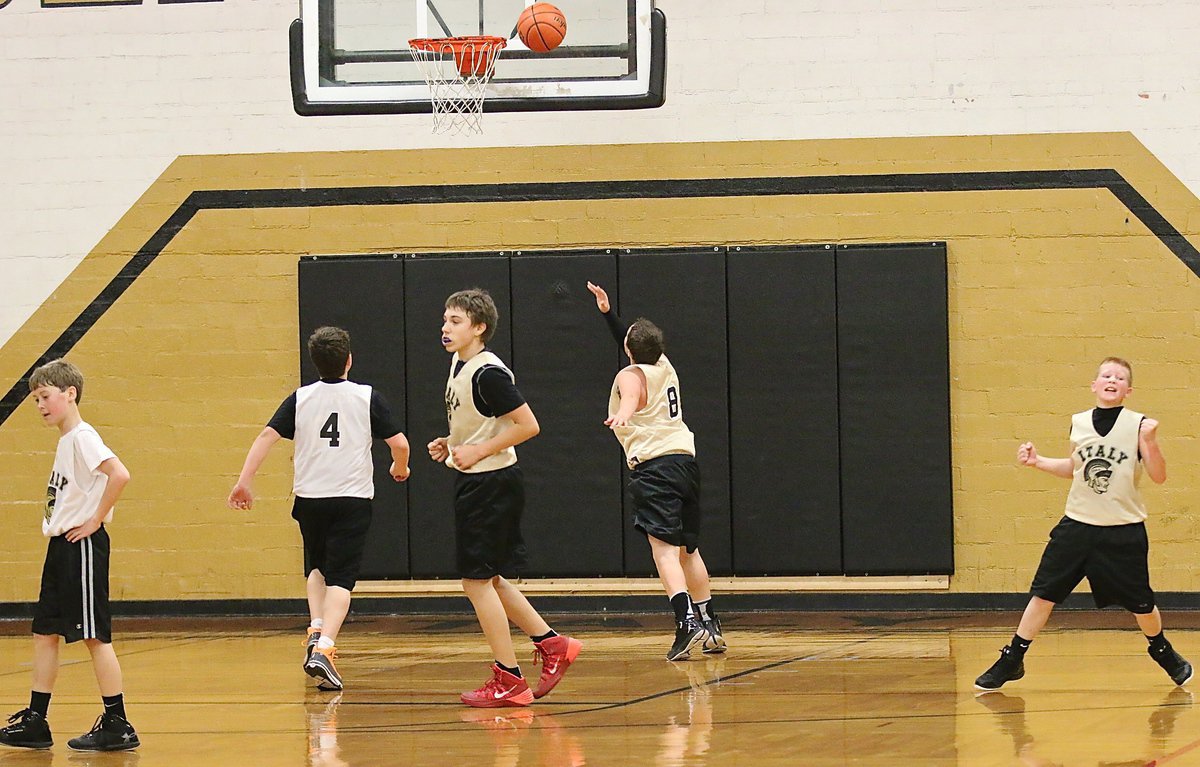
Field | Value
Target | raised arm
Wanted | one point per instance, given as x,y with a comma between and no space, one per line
1060,467
615,325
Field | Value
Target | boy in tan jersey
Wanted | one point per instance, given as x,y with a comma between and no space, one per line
488,417
646,416
1102,536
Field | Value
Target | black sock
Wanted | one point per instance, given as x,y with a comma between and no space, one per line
1158,643
515,670
682,605
1019,645
704,610
39,702
114,704
544,637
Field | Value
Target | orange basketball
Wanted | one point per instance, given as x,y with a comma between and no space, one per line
541,27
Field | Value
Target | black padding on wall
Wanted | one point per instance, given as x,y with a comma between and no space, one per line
783,410
563,361
683,292
897,516
347,292
428,282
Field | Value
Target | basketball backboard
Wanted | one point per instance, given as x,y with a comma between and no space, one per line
352,56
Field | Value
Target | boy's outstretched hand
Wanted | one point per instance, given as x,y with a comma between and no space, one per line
1027,454
601,297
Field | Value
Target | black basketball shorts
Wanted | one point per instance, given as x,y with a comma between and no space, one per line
73,601
487,523
1113,559
665,496
334,532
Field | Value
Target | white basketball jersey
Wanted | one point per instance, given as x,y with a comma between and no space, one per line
76,482
333,441
658,428
1104,490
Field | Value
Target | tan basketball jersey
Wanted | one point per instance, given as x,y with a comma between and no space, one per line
658,428
1107,470
467,424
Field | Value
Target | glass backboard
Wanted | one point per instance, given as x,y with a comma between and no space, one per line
352,56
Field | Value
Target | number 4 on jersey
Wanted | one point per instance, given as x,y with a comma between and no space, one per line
330,430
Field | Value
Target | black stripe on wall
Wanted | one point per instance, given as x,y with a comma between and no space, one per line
888,183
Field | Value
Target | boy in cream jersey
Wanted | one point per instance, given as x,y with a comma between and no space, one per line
85,483
488,418
645,414
1103,535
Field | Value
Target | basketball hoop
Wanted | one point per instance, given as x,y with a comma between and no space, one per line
457,70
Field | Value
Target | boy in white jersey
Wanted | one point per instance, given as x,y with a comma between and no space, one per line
1102,536
333,422
646,415
85,484
488,417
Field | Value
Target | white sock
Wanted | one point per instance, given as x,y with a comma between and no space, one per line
325,643
317,623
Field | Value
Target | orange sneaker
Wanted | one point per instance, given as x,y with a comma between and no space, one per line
320,667
310,641
556,654
503,689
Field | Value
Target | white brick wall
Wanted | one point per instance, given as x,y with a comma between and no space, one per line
97,101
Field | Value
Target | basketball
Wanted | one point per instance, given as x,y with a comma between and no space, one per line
541,27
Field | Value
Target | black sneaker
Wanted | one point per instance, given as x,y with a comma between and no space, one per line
27,729
109,733
320,667
1009,668
1173,663
687,635
714,643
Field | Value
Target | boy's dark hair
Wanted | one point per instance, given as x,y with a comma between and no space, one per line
61,375
645,342
1123,363
479,307
329,348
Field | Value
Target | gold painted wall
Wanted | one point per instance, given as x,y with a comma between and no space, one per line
189,363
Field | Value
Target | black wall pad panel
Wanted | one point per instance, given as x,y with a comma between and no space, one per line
428,282
563,360
783,392
354,293
894,382
683,292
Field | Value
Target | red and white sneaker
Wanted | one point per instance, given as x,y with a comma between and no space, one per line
556,654
503,689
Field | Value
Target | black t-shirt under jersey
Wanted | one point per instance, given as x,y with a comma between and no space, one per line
382,424
493,391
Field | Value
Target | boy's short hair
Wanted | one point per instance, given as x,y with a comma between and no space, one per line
329,349
645,342
1119,361
479,307
61,375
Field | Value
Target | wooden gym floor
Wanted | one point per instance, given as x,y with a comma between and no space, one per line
795,689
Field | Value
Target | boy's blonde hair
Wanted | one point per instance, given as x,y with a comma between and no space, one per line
1123,363
61,375
479,307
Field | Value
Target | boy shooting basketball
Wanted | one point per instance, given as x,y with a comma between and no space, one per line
488,418
85,484
1102,536
645,414
333,421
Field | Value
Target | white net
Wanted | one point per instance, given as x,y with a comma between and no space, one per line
457,70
